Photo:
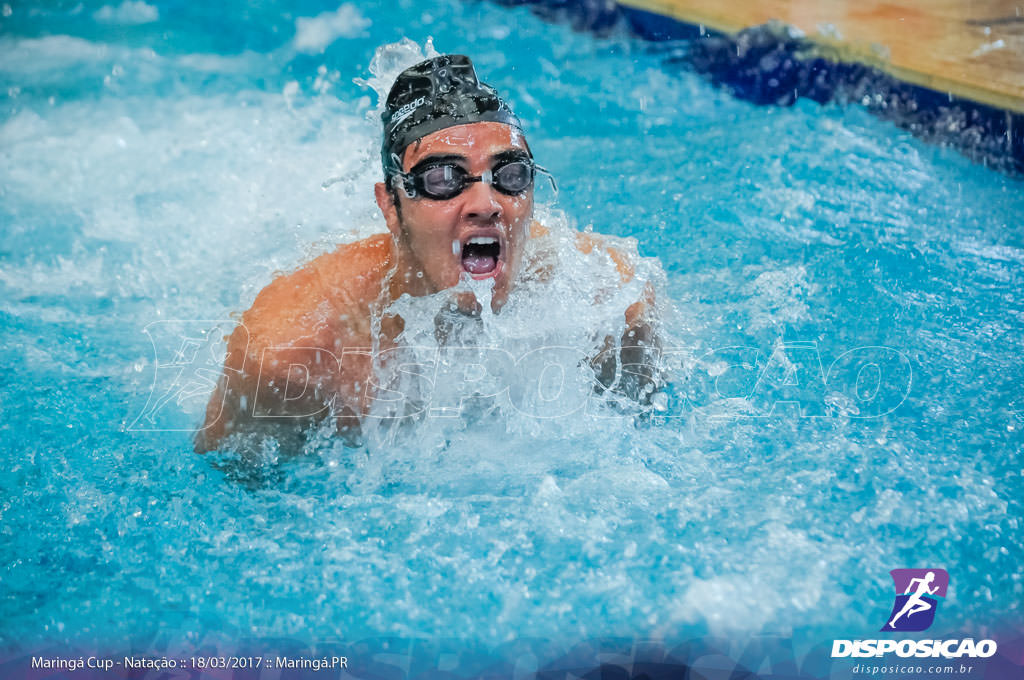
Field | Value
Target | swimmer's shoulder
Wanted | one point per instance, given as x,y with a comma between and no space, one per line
352,276
358,268
322,305
538,230
587,242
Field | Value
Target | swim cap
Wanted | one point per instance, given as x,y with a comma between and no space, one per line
433,95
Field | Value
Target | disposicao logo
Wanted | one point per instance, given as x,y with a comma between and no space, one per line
917,591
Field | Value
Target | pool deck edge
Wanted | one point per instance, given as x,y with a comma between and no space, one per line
949,55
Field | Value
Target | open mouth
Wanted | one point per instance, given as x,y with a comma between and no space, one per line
480,255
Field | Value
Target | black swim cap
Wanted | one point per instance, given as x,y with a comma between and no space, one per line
433,95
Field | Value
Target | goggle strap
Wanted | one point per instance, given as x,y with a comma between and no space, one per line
404,181
396,162
551,178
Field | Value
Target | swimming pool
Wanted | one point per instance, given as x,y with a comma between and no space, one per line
163,160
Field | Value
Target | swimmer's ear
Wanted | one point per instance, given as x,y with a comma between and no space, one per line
386,202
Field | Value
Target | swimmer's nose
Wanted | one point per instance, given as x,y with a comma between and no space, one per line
481,205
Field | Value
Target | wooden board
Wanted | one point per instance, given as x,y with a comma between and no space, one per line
970,48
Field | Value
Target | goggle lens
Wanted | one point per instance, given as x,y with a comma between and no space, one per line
513,178
445,181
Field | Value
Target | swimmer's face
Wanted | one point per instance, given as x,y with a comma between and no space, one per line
480,232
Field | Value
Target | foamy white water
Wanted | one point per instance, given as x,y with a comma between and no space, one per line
147,180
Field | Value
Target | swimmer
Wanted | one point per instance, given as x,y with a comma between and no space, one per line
914,603
457,198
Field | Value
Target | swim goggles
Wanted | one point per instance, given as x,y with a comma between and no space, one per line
443,181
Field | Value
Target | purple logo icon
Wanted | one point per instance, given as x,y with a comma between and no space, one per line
916,593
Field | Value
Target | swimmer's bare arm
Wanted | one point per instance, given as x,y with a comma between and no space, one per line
299,354
632,369
634,363
269,386
263,391
640,349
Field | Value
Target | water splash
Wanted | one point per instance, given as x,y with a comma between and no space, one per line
388,61
497,522
530,366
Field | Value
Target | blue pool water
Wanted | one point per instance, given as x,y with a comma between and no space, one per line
163,160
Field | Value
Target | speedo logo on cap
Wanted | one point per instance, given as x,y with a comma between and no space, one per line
406,111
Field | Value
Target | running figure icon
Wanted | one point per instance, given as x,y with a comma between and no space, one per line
917,598
915,604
